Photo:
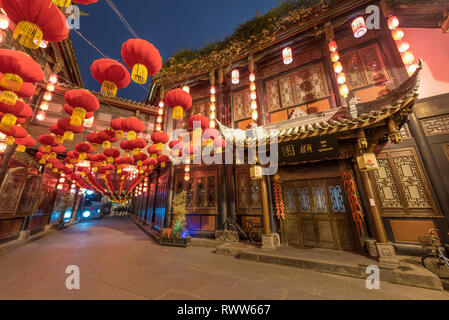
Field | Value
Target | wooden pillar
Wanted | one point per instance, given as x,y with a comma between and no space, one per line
231,198
222,193
374,205
265,207
169,200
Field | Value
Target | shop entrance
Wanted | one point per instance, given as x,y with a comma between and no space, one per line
318,215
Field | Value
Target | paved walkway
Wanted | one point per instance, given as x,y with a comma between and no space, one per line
118,261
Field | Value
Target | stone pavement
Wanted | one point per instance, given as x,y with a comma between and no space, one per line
118,261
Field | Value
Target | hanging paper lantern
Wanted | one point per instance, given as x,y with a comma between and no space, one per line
83,102
398,34
163,160
186,89
4,22
132,126
142,58
287,55
137,145
69,130
108,137
219,144
153,151
333,46
17,68
338,68
359,27
47,141
127,146
177,146
160,138
408,58
335,57
179,101
84,149
202,120
116,124
393,23
344,90
36,20
59,134
341,78
111,74
12,112
403,46
23,143
139,158
235,77
112,154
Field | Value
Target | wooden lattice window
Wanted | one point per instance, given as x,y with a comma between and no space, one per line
436,125
248,192
401,184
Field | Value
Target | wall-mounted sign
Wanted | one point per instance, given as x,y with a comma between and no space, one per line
311,149
256,173
367,162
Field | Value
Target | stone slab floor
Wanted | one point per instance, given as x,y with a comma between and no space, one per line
118,261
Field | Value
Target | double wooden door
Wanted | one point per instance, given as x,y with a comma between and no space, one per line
317,214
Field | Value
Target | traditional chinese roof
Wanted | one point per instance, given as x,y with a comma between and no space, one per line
397,103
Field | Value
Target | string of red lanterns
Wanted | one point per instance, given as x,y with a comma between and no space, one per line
403,46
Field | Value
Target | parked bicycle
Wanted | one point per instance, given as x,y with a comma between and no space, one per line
233,231
435,260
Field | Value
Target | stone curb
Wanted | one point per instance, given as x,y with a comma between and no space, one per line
15,244
392,276
155,237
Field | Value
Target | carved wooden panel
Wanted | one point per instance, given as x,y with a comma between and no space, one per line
353,69
401,184
286,89
310,84
30,196
248,194
11,190
241,105
386,185
47,196
436,125
273,96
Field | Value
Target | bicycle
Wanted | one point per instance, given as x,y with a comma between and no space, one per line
233,231
435,260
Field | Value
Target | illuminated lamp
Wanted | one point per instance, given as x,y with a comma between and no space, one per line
159,119
187,177
359,27
253,95
235,76
287,55
252,77
344,90
397,34
253,105
341,78
3,147
212,116
187,169
86,214
88,123
212,107
335,57
48,96
59,186
333,46
186,89
411,69
393,23
338,68
43,44
408,58
255,115
403,46
161,104
53,78
160,111
41,116
212,98
2,36
158,127
213,90
252,86
50,87
212,124
4,22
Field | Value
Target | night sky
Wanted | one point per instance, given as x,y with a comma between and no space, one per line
170,25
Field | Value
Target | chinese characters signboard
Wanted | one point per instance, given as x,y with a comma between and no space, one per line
312,149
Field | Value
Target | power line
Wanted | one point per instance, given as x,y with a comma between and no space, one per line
120,15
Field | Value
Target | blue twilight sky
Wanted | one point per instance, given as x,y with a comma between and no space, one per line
169,24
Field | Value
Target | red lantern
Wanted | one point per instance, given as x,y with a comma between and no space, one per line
116,124
142,58
154,152
179,101
111,74
359,27
333,46
160,138
36,20
112,154
139,158
393,23
83,102
287,55
163,160
132,126
84,149
108,137
12,112
69,130
24,143
138,144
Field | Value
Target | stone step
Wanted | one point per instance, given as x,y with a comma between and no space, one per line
404,275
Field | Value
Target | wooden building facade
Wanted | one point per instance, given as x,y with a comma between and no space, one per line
407,132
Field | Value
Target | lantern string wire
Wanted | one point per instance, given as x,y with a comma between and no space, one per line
90,43
120,15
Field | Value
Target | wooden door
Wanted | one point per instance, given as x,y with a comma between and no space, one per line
317,214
